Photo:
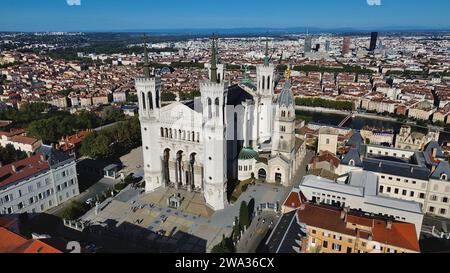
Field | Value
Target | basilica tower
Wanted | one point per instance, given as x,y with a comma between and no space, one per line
148,89
284,126
265,74
214,100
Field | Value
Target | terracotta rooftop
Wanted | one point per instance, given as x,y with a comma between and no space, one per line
22,169
13,243
400,234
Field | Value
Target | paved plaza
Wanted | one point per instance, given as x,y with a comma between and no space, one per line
193,227
150,211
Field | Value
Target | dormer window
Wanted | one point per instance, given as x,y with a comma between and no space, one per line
351,163
444,176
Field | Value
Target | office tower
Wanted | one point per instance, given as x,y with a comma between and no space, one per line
327,46
308,43
373,41
346,46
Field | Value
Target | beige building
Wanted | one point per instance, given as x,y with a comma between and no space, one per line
408,140
328,140
422,111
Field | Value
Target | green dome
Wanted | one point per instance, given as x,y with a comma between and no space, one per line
248,153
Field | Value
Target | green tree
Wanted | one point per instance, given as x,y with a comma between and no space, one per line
168,96
244,220
225,246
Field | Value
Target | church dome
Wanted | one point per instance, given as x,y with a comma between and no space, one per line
248,153
286,97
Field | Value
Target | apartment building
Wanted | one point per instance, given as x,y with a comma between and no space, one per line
359,191
316,228
421,177
38,183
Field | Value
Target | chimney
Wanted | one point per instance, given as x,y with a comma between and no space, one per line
302,206
14,168
389,224
42,158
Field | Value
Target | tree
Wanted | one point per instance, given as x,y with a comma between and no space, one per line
168,96
74,211
111,114
244,220
225,246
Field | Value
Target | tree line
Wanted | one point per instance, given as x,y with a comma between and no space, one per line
323,103
114,141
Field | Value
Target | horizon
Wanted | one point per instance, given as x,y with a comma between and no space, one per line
134,16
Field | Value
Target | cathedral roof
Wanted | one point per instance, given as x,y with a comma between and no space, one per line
248,153
286,97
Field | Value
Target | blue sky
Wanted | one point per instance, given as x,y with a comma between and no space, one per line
105,15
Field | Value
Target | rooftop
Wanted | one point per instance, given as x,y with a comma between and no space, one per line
22,169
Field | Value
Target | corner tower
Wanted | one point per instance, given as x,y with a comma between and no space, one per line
148,89
214,100
265,74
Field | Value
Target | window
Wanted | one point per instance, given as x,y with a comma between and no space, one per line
328,141
445,199
442,211
396,191
433,198
431,209
388,189
325,244
313,231
411,194
337,247
404,192
422,195
381,189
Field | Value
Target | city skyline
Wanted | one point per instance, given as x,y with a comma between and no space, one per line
94,15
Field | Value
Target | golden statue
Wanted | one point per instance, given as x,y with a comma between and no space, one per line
287,73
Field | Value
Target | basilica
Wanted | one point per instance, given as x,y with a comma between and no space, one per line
232,132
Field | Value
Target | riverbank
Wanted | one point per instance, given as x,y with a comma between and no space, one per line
344,113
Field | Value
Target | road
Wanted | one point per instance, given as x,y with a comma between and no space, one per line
92,192
256,232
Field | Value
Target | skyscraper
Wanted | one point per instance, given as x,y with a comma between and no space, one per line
327,46
346,46
373,41
308,43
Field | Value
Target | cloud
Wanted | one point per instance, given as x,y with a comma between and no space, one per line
374,2
73,2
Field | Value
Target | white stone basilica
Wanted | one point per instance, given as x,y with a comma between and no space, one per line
231,132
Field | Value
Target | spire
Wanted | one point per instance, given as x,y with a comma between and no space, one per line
146,63
266,55
214,58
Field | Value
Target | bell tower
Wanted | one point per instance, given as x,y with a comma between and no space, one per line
214,100
284,126
148,89
265,74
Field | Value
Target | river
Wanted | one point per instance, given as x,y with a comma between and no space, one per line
359,122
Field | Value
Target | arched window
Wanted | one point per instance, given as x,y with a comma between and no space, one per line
157,99
283,114
162,132
217,109
179,134
143,101
218,78
209,108
198,137
444,176
150,101
351,162
170,133
193,136
263,82
166,132
268,82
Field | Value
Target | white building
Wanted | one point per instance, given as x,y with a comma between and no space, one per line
38,183
195,146
359,190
